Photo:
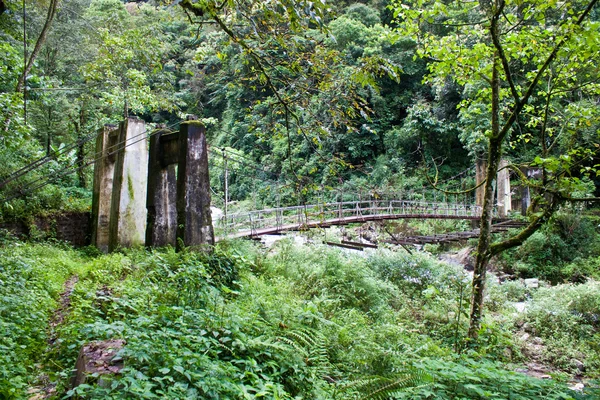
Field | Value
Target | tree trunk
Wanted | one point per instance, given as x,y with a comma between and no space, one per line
483,246
49,132
81,148
485,235
78,126
38,44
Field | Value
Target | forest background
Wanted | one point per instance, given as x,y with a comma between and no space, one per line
318,100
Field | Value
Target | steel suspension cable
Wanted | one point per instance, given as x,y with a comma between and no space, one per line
69,169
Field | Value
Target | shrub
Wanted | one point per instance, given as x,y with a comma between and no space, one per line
31,278
568,318
465,378
559,252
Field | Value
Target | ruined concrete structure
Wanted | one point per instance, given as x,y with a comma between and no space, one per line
502,189
103,183
154,196
162,189
127,226
193,190
503,192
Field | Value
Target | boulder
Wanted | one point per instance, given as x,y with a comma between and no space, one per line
578,364
99,358
532,283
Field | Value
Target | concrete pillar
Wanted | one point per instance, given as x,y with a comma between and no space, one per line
193,188
128,208
162,190
525,192
480,175
103,184
525,200
503,182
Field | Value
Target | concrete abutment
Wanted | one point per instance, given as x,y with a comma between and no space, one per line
155,193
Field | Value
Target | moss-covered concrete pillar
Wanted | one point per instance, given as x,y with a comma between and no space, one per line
162,189
103,185
503,183
525,192
480,174
193,188
128,205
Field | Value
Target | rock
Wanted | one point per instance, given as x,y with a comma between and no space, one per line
519,323
98,358
528,328
538,371
537,341
578,364
216,214
525,337
578,387
533,283
463,258
520,306
132,8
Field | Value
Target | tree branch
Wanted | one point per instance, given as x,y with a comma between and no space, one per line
496,40
38,44
517,240
521,103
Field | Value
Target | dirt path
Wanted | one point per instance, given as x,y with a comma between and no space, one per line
43,388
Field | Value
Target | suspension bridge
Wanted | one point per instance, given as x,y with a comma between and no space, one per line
153,188
324,215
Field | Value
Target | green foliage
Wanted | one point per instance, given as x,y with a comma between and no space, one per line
570,310
31,279
363,13
472,379
284,324
565,250
566,317
423,129
131,77
411,274
384,388
350,283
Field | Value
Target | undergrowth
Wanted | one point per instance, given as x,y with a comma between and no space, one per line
242,323
565,250
31,279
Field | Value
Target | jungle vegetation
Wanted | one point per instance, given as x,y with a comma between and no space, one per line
313,100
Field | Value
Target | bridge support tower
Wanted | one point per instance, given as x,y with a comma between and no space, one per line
128,209
503,192
103,183
156,197
162,189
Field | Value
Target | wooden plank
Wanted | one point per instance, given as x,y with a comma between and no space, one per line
371,246
346,246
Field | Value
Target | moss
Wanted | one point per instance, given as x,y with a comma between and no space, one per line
130,188
194,123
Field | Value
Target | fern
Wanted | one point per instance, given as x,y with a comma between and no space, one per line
383,388
310,343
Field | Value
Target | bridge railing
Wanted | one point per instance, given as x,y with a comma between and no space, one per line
295,217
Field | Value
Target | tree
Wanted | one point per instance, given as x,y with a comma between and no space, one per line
296,83
523,66
52,7
127,70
